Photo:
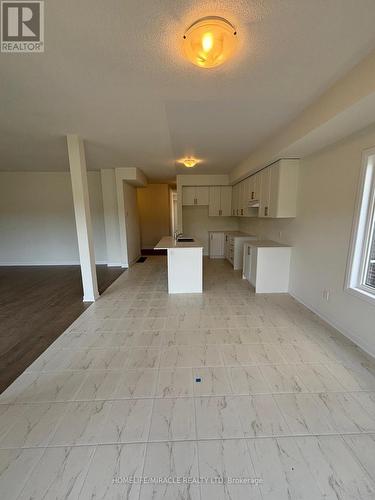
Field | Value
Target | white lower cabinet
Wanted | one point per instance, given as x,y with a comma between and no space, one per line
234,248
266,265
217,245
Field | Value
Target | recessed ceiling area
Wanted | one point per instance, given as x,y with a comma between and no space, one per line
114,73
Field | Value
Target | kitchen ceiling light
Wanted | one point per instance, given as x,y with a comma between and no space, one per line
210,41
189,162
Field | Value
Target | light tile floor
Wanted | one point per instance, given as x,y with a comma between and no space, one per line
284,409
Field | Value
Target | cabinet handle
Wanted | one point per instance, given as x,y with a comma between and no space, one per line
195,201
266,211
248,250
241,211
252,195
237,211
220,212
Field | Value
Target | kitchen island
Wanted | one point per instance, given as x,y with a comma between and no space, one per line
185,264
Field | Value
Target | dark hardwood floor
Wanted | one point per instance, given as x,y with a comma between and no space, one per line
36,305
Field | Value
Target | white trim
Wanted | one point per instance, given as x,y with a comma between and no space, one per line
49,263
361,230
364,346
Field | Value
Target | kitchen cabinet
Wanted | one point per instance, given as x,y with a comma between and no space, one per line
217,245
195,195
278,190
235,199
234,247
266,266
254,187
220,201
265,193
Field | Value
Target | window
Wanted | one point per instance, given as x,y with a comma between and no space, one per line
361,269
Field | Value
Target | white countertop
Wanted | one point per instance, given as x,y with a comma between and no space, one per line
267,244
168,242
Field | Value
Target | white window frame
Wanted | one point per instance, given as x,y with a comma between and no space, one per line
362,232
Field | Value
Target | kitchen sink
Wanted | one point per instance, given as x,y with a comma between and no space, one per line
185,239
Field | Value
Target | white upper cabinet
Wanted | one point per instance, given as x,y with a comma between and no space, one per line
278,190
235,199
220,201
254,187
226,200
195,195
265,190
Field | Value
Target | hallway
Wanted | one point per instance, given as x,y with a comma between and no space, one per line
227,384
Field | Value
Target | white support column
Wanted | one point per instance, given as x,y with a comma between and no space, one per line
81,202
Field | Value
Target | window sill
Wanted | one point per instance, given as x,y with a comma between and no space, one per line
362,294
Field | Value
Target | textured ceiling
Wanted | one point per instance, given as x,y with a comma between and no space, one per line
113,72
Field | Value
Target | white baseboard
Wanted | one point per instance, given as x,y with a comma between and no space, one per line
113,264
341,329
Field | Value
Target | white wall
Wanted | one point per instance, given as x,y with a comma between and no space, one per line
197,223
37,225
321,233
133,235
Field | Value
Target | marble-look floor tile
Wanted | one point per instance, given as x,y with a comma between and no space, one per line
173,419
217,417
282,469
34,426
210,382
247,380
282,378
363,447
346,414
98,385
353,378
227,460
143,357
54,387
137,383
184,356
260,416
59,474
9,415
128,421
111,471
82,423
317,378
147,339
15,468
175,382
305,414
171,460
335,469
367,401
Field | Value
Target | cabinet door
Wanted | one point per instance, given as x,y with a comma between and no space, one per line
226,200
256,186
264,202
216,245
214,201
241,198
201,194
188,195
235,200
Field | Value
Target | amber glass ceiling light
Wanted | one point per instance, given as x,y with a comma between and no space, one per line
189,162
210,41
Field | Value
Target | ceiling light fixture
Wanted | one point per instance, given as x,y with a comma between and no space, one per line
189,162
210,41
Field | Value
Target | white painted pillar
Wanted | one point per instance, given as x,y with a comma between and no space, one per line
81,202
